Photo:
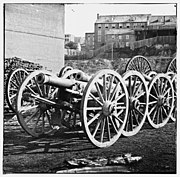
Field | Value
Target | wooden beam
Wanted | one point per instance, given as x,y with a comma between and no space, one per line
105,169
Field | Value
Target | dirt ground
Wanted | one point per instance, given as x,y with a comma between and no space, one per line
24,154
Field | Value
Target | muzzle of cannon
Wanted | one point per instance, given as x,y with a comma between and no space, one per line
54,81
81,76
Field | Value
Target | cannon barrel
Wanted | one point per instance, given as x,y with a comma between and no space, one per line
81,76
54,80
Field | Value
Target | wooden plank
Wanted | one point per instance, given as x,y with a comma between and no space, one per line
105,169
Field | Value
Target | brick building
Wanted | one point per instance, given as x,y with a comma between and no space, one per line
69,38
89,41
107,27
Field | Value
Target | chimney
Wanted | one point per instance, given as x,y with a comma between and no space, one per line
148,20
97,16
164,21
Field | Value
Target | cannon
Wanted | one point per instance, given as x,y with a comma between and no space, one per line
45,101
14,80
105,105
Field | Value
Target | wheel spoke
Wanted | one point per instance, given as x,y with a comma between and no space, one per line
48,117
17,80
43,122
104,88
30,89
28,108
140,85
155,90
102,129
164,111
20,77
167,91
38,88
140,95
99,92
110,87
117,118
92,96
94,118
93,108
131,120
97,126
119,97
130,86
108,129
134,85
158,85
152,109
35,124
32,116
153,102
153,96
157,120
139,112
155,112
113,124
136,118
114,91
161,115
12,96
13,83
161,85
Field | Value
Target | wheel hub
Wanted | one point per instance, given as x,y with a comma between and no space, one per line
107,108
160,101
43,106
133,103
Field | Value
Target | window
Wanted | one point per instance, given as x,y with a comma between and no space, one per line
120,37
99,26
127,44
99,32
113,36
99,38
106,26
127,36
135,24
113,26
127,25
120,25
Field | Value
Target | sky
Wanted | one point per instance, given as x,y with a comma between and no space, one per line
80,18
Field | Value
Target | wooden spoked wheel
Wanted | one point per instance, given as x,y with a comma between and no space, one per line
70,119
174,112
64,70
172,66
138,101
36,106
161,100
139,63
14,81
104,108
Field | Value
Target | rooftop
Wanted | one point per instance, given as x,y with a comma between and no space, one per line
122,18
